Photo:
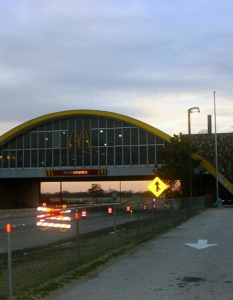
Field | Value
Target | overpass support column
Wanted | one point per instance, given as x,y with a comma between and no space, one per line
19,193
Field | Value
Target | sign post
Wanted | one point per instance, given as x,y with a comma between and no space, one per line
10,285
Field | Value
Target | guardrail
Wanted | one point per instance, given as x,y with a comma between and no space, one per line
32,252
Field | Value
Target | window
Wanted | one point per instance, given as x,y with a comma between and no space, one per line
102,122
48,139
41,158
126,136
134,136
64,139
118,137
134,155
142,136
110,137
49,126
102,156
34,158
159,159
64,157
118,156
27,140
56,139
49,158
87,123
86,156
13,144
151,138
94,156
6,158
102,138
94,137
143,155
26,158
12,159
126,155
20,142
41,139
56,157
56,125
94,122
110,156
71,158
19,158
34,140
151,155
64,124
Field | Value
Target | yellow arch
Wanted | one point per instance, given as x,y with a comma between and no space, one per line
226,183
78,138
69,113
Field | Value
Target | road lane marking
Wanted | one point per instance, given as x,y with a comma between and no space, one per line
201,244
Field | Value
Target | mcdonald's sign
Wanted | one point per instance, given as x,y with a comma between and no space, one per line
79,138
102,171
76,172
48,172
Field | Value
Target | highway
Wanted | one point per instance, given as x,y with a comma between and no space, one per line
26,234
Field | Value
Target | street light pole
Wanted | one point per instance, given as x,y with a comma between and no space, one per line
216,150
190,110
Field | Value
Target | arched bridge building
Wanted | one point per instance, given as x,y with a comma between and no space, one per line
76,145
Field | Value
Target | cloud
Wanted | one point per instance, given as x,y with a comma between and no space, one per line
150,60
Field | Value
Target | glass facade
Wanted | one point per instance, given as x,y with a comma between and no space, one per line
82,141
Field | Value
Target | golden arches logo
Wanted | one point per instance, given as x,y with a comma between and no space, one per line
48,172
102,171
79,138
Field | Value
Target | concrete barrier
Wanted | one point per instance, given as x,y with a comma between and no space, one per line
18,212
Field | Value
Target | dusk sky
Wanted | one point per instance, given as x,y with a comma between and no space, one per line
150,60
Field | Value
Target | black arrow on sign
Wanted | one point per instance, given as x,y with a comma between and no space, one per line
157,186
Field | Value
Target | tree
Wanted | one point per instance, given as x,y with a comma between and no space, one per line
175,167
96,191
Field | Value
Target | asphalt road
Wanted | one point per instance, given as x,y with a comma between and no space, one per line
26,234
193,261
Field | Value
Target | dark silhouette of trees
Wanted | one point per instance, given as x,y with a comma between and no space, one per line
175,167
96,191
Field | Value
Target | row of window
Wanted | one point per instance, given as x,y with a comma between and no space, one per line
82,141
80,157
65,139
82,122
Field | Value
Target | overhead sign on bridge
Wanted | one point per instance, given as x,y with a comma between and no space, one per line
78,172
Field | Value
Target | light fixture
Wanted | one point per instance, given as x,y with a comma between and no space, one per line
194,109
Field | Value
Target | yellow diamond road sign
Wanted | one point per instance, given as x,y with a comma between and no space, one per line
157,186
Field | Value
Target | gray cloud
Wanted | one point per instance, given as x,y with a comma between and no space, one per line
122,56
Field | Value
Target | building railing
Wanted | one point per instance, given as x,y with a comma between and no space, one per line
33,252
